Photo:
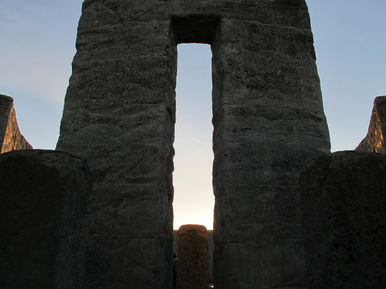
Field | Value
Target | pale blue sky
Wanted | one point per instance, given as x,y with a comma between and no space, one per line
37,46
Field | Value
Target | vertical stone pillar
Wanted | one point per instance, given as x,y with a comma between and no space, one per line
10,137
344,209
193,257
375,140
268,126
43,204
6,103
119,115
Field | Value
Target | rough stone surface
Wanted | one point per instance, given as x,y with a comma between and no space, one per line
344,207
268,122
10,136
43,201
375,141
193,257
210,248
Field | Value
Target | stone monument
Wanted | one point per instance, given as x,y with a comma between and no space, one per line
193,257
10,137
268,123
375,138
43,205
344,209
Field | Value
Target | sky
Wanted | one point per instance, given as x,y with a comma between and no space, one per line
37,44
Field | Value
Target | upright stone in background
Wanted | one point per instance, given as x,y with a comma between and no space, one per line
268,125
210,250
43,203
344,208
10,137
375,141
193,257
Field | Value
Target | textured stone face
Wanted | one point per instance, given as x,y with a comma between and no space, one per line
10,136
344,208
193,257
210,249
268,125
43,202
375,141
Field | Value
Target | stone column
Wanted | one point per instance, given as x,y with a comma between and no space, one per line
344,216
193,257
119,115
268,126
375,140
10,137
43,204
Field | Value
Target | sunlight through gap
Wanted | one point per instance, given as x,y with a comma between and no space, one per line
192,177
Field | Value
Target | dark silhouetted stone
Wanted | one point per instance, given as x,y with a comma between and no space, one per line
210,248
43,202
344,215
193,257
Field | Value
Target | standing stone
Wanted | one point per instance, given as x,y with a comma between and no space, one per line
193,257
268,122
10,137
210,250
375,141
43,202
344,207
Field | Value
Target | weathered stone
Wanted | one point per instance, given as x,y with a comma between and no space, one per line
43,202
193,257
10,136
210,249
375,141
344,213
268,125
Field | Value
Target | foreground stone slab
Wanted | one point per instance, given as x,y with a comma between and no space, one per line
268,123
375,141
10,137
43,202
193,257
344,207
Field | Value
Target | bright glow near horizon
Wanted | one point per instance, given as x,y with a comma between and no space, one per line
193,193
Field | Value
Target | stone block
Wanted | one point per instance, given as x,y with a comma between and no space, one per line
10,137
147,264
344,218
43,204
375,138
193,257
269,263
